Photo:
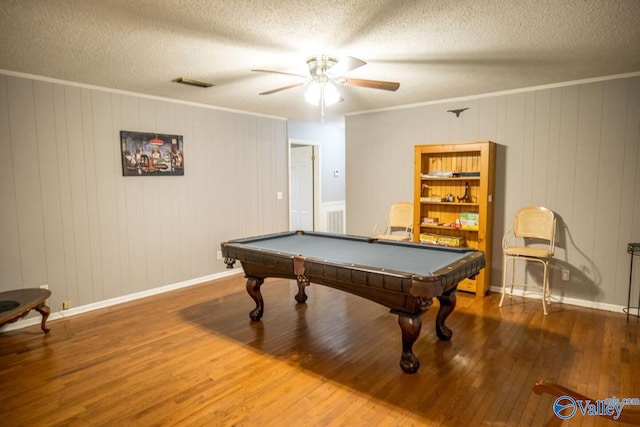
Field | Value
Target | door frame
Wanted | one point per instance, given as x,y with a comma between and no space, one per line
316,179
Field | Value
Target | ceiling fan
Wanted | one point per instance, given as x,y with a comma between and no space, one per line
324,73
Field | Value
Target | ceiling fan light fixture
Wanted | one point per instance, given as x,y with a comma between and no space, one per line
313,93
325,73
331,94
322,93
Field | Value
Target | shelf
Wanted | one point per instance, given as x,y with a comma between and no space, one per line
461,178
450,203
441,227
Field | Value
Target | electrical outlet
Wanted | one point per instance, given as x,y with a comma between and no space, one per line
66,305
565,274
219,254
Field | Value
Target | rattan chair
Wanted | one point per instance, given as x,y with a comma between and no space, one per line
531,238
399,223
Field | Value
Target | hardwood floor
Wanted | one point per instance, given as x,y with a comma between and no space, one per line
193,357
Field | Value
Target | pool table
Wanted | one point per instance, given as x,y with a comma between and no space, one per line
405,277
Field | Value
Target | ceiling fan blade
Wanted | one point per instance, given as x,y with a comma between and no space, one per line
281,72
269,92
346,64
373,84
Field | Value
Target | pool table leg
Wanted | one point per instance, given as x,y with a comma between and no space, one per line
447,304
410,325
253,288
301,296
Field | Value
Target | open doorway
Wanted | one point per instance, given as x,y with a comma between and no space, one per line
304,185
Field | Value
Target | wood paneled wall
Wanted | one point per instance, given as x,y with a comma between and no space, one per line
69,219
574,149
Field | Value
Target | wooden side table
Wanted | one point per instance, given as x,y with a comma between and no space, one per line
18,303
633,249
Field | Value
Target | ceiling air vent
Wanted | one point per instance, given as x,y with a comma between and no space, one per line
191,82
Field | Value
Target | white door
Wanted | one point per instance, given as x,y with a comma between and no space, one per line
301,214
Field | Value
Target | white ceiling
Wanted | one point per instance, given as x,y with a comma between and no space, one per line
437,49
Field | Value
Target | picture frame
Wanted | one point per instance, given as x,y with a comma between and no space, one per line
151,154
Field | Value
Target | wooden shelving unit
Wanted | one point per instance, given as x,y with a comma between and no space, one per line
436,169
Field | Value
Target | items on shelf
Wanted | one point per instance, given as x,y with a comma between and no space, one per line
466,221
448,198
466,198
438,174
441,240
469,221
450,174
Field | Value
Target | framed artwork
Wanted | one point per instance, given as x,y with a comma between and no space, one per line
151,154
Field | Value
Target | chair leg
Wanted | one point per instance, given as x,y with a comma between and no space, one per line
513,276
504,279
524,284
506,275
545,288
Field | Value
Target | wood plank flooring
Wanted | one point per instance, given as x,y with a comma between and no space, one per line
193,357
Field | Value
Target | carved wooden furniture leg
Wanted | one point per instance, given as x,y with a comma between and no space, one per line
44,311
410,325
299,270
301,296
447,304
253,288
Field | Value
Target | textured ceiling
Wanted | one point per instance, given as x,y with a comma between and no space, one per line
436,49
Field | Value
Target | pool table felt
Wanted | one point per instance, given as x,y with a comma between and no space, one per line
407,258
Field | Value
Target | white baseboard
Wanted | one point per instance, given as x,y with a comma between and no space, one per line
118,300
565,300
